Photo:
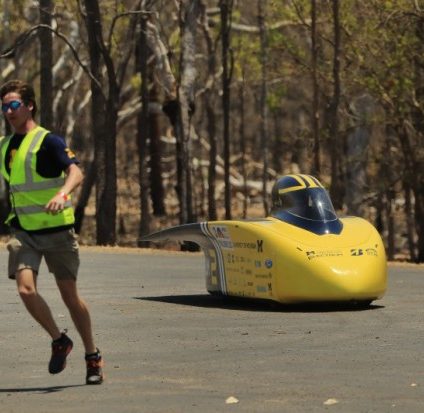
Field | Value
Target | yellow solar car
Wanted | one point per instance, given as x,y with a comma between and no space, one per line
302,253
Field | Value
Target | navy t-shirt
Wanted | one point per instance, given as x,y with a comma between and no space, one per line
53,158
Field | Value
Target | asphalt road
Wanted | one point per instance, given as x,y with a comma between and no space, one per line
170,347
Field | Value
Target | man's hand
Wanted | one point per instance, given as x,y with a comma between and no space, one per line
57,203
73,178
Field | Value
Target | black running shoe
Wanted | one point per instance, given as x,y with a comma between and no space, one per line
94,368
60,350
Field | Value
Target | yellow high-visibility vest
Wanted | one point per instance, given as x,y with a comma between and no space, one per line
29,191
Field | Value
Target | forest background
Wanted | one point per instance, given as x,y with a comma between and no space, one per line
188,110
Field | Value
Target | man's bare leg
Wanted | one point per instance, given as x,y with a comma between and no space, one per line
79,312
27,288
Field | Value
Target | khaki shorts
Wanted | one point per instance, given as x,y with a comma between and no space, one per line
59,249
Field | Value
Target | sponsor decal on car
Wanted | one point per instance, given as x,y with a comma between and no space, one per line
323,254
222,235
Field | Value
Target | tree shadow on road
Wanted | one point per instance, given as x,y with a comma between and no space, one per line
246,304
41,390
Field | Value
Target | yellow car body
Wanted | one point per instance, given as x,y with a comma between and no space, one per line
274,260
302,253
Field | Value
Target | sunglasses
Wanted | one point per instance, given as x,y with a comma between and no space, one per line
14,105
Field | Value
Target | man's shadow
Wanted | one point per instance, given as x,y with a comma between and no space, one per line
41,390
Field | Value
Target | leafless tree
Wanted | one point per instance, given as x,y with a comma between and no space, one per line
226,8
189,13
209,102
315,90
46,65
106,81
336,189
143,129
262,7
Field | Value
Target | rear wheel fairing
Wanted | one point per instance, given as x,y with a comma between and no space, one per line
199,234
247,259
215,267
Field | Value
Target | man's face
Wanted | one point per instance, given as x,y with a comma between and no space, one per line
15,111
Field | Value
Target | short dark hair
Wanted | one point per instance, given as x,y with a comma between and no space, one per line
24,89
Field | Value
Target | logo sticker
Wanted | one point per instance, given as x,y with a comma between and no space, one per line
268,263
70,153
222,235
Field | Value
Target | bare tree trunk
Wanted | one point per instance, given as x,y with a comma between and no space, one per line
315,91
357,154
189,13
243,146
386,194
209,102
172,109
418,122
104,118
163,78
226,7
157,192
419,218
409,217
390,225
211,122
143,132
4,193
84,196
46,64
336,189
414,167
262,5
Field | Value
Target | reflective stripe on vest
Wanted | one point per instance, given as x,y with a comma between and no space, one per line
35,209
30,192
4,143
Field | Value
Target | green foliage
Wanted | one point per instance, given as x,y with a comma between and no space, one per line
385,47
246,57
275,96
135,81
